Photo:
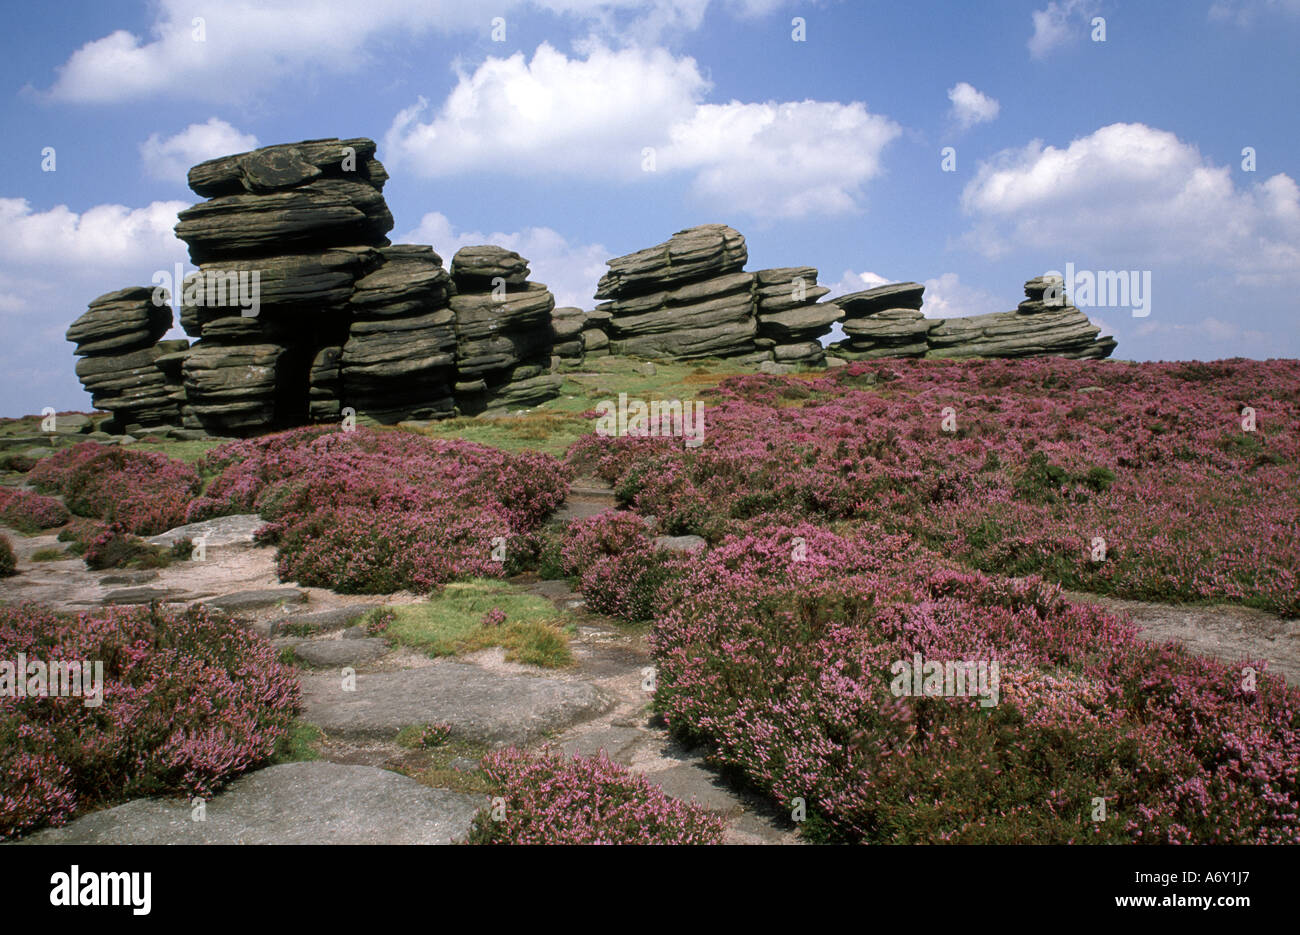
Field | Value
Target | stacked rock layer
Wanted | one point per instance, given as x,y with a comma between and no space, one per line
887,322
304,312
688,297
117,340
1040,326
281,243
503,328
791,321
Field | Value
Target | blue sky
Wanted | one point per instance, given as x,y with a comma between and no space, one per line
1117,155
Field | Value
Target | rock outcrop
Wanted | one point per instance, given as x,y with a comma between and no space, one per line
887,322
691,297
399,361
884,322
1038,327
302,311
791,320
117,340
281,243
687,297
503,332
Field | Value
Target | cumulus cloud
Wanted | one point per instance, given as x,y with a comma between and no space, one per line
539,117
1057,23
1134,196
246,42
170,159
52,264
970,106
570,270
856,282
102,237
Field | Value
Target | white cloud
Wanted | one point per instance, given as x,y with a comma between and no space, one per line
513,115
1057,23
1133,196
51,266
1245,12
540,117
247,42
948,297
104,237
571,271
856,282
970,106
171,158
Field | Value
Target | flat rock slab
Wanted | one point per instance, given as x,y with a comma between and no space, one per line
322,621
222,530
243,601
128,577
140,595
488,707
294,803
617,743
338,653
691,782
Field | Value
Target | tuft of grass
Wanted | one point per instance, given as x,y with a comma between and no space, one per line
51,555
297,744
452,623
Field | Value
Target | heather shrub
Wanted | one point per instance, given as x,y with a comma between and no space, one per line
1048,455
371,511
147,493
778,651
19,464
620,573
8,562
551,800
29,512
79,533
114,547
188,702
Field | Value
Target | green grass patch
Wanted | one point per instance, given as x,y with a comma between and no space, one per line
298,744
452,623
51,555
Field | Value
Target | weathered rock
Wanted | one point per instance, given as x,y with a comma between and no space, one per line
312,802
140,595
240,602
326,212
287,165
691,254
321,621
679,543
476,268
869,301
121,321
478,705
235,529
338,653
